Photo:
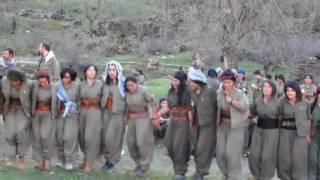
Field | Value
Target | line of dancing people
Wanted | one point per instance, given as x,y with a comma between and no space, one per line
55,114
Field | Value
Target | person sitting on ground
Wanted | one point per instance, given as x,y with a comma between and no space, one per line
163,106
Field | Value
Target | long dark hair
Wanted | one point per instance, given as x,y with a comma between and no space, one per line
228,74
129,78
280,76
108,79
86,69
296,87
166,115
182,87
273,87
310,76
72,73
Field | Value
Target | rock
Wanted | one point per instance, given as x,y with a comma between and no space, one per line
153,63
183,48
58,15
77,22
26,13
76,10
92,46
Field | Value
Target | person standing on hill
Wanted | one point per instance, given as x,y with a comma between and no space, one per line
7,62
49,61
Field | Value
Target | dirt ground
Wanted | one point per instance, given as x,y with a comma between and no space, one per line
161,166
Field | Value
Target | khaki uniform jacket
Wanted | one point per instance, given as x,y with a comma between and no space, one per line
206,105
141,99
73,94
4,71
118,102
54,98
262,110
257,92
53,67
25,95
300,111
238,119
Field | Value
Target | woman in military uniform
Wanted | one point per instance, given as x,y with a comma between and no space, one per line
233,105
177,138
90,117
44,113
16,104
67,121
139,131
314,148
294,134
113,105
264,146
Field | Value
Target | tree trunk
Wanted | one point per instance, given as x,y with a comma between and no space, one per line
91,28
230,59
91,19
13,25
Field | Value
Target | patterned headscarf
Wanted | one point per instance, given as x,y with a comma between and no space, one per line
121,78
197,75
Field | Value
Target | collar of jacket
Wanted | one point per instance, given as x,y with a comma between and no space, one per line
49,56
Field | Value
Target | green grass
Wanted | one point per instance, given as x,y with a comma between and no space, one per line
159,87
56,25
183,58
35,4
109,9
11,173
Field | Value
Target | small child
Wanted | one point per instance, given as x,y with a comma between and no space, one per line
163,107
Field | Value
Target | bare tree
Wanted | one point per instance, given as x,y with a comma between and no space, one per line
92,18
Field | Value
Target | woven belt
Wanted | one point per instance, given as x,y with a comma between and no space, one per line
289,124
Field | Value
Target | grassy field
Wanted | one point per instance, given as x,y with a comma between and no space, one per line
157,80
7,173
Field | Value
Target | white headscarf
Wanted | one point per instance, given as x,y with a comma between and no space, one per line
121,78
197,75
